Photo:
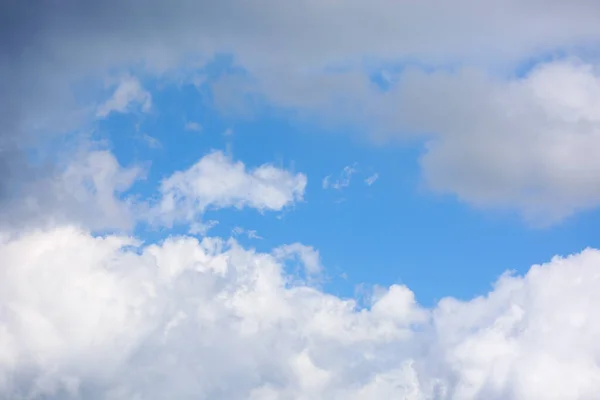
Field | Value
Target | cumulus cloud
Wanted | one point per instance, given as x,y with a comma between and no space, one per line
105,318
91,189
527,144
217,181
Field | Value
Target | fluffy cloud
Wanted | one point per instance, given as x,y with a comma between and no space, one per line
91,190
103,317
91,317
217,181
529,143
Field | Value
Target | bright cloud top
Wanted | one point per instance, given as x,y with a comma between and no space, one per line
101,318
218,181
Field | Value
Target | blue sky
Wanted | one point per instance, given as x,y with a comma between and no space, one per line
308,199
394,231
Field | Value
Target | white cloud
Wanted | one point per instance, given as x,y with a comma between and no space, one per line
103,318
371,179
343,181
308,256
217,181
193,126
129,93
202,228
250,233
90,190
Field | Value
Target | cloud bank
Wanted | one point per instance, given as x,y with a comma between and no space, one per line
108,318
49,49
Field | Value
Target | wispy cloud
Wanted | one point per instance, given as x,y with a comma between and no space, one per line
216,180
371,179
343,181
193,126
201,228
250,233
151,141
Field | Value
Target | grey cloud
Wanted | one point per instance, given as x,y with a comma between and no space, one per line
528,144
48,46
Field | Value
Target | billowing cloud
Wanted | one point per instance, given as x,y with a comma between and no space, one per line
90,190
217,181
529,144
105,318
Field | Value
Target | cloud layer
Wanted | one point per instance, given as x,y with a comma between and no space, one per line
101,317
48,50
